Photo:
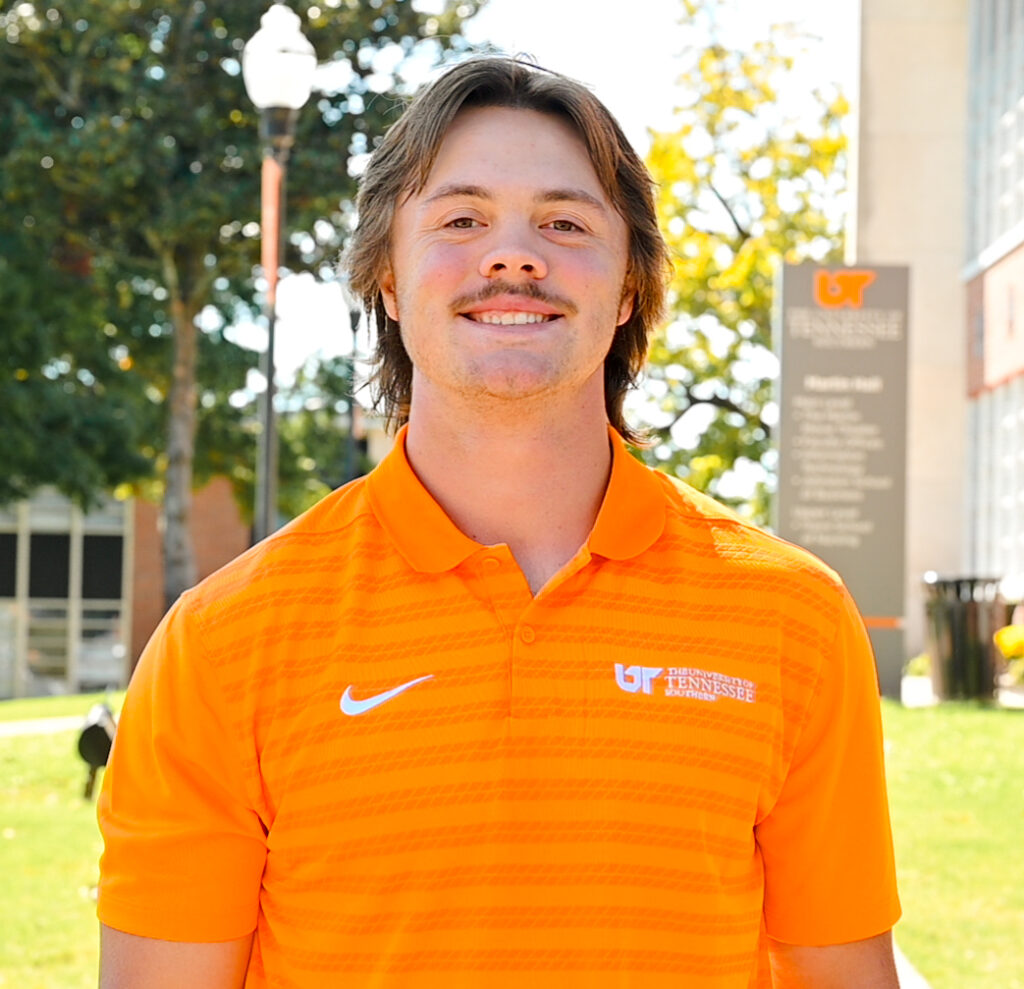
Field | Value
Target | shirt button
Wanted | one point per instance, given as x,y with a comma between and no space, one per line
527,634
491,564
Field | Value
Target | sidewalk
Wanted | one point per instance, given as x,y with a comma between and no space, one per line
910,977
917,692
41,726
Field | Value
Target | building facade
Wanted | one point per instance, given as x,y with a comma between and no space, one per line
939,185
81,592
994,273
910,152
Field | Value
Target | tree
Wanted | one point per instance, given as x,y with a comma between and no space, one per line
68,410
129,155
743,184
318,449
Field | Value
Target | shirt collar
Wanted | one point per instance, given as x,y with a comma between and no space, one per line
632,515
631,518
424,535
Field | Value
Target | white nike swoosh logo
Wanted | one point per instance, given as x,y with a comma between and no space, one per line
349,705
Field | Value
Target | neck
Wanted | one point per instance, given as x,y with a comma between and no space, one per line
534,483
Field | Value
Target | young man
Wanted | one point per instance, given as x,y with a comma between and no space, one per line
513,709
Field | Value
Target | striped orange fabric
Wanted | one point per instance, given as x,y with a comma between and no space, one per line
367,741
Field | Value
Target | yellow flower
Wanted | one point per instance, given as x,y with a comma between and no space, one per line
1010,641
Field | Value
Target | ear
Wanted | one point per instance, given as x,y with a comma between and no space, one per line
626,305
386,283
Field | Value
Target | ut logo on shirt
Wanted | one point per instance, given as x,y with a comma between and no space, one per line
636,678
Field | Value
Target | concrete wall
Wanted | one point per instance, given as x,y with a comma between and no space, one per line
909,196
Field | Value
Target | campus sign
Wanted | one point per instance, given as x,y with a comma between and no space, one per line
841,337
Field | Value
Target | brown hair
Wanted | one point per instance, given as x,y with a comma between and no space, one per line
401,166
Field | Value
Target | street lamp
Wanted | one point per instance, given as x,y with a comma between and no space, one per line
278,63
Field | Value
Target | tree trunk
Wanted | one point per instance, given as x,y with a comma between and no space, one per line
179,557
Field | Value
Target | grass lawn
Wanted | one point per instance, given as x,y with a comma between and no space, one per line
956,785
49,848
956,779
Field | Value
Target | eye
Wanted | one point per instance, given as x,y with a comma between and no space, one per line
463,223
565,226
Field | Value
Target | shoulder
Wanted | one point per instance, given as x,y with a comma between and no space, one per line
311,551
728,540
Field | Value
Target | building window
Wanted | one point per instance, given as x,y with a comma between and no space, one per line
49,559
102,566
64,596
8,561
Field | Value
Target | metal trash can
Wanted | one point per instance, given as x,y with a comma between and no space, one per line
963,613
95,741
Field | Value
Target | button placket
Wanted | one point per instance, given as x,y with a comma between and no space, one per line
504,585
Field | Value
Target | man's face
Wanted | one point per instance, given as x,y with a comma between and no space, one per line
508,268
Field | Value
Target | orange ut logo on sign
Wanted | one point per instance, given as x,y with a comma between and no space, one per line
835,289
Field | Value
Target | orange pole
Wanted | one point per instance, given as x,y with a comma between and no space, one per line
273,172
882,621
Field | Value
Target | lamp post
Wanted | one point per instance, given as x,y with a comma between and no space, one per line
278,63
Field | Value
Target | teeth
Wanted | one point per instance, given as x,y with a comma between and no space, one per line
509,318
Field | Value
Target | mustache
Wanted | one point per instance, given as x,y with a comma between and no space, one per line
527,291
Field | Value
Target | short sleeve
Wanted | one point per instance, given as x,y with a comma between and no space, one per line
827,843
184,848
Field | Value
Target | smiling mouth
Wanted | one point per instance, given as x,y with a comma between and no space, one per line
506,318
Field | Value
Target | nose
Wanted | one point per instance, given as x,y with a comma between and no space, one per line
512,256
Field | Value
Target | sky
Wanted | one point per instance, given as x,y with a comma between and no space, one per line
628,58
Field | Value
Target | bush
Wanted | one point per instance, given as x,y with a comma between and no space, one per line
918,666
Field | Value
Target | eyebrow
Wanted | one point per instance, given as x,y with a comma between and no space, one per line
456,190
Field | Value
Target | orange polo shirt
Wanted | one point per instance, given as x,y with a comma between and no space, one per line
366,741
